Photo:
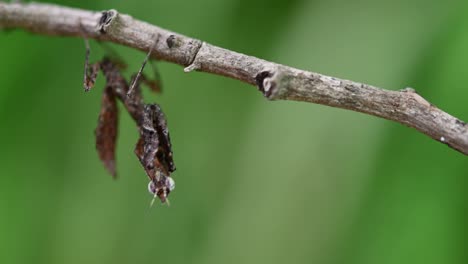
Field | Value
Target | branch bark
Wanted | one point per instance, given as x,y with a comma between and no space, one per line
275,81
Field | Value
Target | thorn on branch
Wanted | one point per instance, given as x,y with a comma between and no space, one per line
192,67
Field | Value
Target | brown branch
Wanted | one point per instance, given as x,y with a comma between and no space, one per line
275,81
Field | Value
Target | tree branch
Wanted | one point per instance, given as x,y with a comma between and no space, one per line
275,81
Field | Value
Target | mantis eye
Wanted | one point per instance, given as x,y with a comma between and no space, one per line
170,184
161,188
151,188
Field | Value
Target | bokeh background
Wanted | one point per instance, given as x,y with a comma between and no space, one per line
257,181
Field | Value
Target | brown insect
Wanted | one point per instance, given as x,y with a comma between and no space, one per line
153,148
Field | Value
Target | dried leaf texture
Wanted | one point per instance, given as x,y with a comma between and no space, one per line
106,131
90,76
154,146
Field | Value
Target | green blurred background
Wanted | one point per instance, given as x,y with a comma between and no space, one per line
257,181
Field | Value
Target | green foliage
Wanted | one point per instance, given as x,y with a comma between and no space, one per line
257,181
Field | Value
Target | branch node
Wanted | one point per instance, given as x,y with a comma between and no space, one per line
106,19
413,95
408,90
193,64
459,122
260,79
192,67
271,82
173,42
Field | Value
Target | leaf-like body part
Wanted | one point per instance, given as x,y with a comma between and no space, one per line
106,131
153,149
90,76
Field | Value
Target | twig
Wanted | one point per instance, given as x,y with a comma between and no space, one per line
275,81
